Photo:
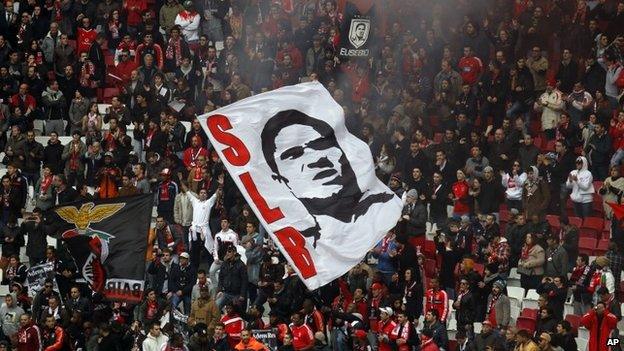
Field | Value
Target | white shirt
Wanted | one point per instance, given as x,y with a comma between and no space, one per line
227,236
201,209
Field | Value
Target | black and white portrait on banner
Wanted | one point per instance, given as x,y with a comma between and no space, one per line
310,182
358,31
315,169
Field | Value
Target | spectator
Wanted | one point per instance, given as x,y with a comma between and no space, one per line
600,322
530,265
581,183
155,340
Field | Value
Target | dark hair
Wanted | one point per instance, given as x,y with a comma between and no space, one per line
566,325
282,120
584,258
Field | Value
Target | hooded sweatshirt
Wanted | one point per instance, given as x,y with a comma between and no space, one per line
582,188
10,318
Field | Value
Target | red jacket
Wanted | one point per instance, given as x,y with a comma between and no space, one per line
85,38
29,338
385,330
134,10
302,336
124,69
437,300
617,136
28,101
460,191
315,321
234,325
470,68
590,321
56,339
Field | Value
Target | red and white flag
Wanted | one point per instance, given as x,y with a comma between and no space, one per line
311,183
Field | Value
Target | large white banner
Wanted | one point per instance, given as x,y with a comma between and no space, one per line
311,183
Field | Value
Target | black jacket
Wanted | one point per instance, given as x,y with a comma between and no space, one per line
599,149
182,278
437,206
466,311
37,239
161,276
53,156
233,278
490,197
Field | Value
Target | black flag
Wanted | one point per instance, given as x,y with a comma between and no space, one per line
356,32
108,240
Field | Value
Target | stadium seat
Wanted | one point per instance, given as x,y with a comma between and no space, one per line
592,226
575,221
526,323
553,220
583,333
515,292
581,344
601,248
529,312
575,321
587,245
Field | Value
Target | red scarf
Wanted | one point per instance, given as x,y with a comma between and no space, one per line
491,311
45,184
174,45
152,309
86,71
149,136
525,252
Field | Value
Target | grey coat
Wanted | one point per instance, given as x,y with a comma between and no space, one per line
502,308
556,262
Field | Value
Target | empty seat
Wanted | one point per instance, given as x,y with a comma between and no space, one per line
529,312
587,245
526,323
515,292
553,220
593,225
575,322
602,247
581,344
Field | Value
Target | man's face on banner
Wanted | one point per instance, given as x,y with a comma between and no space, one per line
312,164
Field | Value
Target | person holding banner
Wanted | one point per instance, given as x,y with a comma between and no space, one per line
200,226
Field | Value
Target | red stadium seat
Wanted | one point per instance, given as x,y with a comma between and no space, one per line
553,220
529,312
575,321
593,225
601,248
430,249
526,323
587,245
576,221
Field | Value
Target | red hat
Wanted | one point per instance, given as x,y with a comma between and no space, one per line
376,286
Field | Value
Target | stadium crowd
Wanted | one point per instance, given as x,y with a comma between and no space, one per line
499,123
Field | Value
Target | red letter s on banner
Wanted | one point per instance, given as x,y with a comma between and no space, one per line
236,153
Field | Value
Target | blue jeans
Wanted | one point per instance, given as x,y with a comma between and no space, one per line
225,298
617,157
186,302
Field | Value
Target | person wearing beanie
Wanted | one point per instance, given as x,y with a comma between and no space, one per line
484,289
498,306
602,277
